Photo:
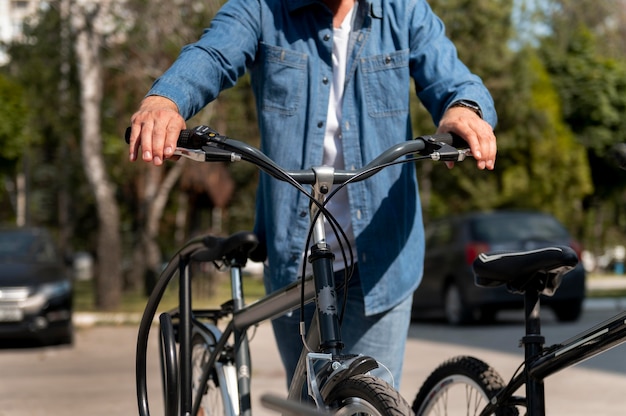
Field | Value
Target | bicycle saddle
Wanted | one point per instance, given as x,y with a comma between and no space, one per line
235,248
540,269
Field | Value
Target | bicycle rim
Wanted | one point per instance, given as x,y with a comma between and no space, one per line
455,395
461,386
212,402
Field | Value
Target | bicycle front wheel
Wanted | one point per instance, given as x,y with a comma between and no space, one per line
460,386
213,401
363,394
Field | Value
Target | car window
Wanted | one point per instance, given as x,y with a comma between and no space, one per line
517,227
19,245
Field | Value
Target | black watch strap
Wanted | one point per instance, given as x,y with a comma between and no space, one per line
468,104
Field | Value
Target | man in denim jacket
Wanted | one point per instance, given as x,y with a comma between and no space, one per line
331,80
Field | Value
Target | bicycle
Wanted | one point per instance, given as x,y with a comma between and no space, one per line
209,371
469,386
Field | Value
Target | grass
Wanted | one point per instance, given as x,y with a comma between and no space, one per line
204,295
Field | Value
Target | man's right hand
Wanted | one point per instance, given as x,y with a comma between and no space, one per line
155,128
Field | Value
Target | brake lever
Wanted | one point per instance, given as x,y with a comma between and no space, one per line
193,154
446,153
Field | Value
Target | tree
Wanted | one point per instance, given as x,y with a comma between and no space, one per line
50,160
537,153
13,145
585,56
156,31
88,22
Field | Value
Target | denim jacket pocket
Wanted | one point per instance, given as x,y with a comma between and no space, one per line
284,76
386,83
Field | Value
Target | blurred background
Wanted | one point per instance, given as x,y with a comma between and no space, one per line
73,71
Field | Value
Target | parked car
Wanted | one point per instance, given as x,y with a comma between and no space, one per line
35,287
453,243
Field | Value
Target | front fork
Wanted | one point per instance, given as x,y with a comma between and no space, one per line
324,370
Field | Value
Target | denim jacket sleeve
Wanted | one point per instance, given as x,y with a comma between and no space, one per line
216,61
440,77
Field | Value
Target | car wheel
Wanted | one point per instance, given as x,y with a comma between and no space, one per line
457,312
568,310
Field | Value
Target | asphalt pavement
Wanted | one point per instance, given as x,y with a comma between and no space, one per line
96,375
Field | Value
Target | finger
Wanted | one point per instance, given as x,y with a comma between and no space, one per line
172,134
478,152
146,141
488,144
493,151
158,139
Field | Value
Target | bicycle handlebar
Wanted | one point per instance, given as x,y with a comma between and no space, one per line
204,144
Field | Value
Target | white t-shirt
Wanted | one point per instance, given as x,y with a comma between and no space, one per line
339,205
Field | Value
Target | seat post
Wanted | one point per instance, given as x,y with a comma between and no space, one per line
533,343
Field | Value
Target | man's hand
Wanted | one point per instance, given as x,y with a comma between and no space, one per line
155,128
476,132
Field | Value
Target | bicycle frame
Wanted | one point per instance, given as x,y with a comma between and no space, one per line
542,362
324,332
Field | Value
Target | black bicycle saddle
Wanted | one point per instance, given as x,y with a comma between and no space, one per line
541,269
236,247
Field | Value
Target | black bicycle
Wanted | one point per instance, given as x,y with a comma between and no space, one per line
466,385
205,354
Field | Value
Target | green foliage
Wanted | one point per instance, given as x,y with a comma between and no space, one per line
540,164
549,169
592,89
13,114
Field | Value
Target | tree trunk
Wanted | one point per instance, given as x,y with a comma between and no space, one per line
156,193
108,272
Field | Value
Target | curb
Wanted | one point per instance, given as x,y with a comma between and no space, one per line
89,319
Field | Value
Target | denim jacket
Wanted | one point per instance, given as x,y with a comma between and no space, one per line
286,46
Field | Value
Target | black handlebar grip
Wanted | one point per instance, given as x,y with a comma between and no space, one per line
187,139
127,135
451,139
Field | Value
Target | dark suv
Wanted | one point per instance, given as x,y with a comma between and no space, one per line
453,243
35,287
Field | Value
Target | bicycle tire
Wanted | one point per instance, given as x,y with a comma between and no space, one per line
475,382
213,401
363,394
169,365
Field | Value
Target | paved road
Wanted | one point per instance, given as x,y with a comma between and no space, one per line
96,376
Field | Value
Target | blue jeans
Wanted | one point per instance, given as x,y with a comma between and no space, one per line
381,336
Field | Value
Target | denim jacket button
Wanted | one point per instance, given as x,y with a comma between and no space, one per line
320,124
325,80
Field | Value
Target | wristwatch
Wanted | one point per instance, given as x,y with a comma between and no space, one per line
468,104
